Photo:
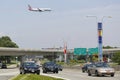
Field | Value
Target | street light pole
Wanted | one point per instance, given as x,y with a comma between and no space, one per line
16,60
99,24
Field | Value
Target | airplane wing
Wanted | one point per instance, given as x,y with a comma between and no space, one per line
40,10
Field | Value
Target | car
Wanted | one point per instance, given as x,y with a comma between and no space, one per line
60,68
86,66
50,67
101,69
29,67
0,64
3,66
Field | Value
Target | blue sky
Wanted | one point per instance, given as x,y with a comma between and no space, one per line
67,22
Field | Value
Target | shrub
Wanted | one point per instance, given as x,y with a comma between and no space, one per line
116,57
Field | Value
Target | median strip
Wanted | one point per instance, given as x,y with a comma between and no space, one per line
34,77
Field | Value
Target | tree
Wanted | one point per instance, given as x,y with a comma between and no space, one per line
116,57
108,47
5,41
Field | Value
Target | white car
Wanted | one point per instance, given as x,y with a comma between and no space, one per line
101,69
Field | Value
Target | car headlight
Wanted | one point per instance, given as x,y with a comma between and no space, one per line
112,70
25,68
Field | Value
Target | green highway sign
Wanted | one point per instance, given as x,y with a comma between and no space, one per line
80,51
92,51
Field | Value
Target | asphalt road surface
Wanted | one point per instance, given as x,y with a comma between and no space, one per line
6,74
67,74
75,74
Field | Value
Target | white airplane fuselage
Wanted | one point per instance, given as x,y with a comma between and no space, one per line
38,9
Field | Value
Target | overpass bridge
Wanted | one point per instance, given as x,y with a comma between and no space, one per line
32,53
20,51
46,52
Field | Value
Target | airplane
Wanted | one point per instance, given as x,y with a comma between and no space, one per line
38,9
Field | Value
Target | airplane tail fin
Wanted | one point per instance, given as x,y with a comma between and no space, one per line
29,7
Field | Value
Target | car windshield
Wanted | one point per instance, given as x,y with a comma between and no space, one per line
50,63
102,65
29,64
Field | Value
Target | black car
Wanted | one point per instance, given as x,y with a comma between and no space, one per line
50,67
60,68
86,66
4,66
29,67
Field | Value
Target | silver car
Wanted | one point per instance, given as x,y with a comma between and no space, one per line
101,69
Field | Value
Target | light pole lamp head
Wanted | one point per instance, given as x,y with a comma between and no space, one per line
105,17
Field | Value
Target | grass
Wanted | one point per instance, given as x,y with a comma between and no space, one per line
113,64
34,77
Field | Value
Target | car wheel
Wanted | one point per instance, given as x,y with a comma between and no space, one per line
96,73
56,71
44,71
89,74
112,75
83,71
38,73
20,72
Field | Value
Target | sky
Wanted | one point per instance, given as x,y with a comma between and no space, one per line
66,23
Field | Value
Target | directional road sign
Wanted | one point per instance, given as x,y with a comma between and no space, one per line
80,51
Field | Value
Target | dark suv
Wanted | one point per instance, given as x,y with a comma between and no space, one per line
50,67
86,67
29,67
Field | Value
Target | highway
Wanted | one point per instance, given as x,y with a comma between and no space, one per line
6,74
75,74
67,74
